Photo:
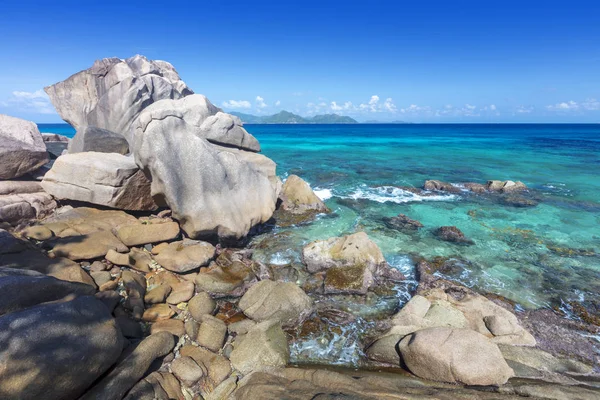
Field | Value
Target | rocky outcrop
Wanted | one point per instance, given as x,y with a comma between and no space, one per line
106,179
489,187
111,94
298,199
403,223
56,350
280,301
22,148
23,200
212,191
454,355
452,234
100,140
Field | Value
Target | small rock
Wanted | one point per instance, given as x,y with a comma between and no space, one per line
159,247
212,333
402,223
218,367
440,186
201,304
135,235
158,294
98,266
356,279
181,292
158,312
186,370
173,326
37,232
101,277
185,255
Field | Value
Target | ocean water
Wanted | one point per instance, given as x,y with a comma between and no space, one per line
542,256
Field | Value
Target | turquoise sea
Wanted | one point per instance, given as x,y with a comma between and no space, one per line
542,256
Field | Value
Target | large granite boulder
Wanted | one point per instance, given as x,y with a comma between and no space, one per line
298,198
92,138
56,350
454,355
265,345
111,94
22,148
106,179
211,190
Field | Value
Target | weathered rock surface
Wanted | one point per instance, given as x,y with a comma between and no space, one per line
490,186
106,179
216,366
99,140
131,369
265,345
112,93
20,207
56,350
284,302
86,247
351,250
454,355
212,333
22,147
185,255
212,191
135,235
403,223
201,304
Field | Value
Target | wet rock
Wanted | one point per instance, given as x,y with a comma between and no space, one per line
225,279
181,292
543,361
135,235
186,370
518,201
440,186
22,148
201,304
157,294
185,255
452,234
106,179
356,279
402,223
506,186
284,302
265,345
355,249
131,369
298,199
454,355
56,350
212,333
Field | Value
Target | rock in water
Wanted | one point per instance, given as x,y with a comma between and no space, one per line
212,191
452,234
99,140
298,198
454,355
111,94
22,147
56,350
106,179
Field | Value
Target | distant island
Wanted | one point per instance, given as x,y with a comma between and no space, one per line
286,117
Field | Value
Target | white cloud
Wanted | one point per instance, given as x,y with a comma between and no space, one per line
524,109
37,102
260,102
237,104
347,106
389,105
470,107
591,105
277,103
565,106
335,107
493,107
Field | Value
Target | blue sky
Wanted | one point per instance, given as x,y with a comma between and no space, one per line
429,61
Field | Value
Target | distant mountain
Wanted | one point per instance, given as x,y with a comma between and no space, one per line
286,117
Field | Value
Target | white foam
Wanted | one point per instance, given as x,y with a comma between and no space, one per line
384,194
279,259
323,194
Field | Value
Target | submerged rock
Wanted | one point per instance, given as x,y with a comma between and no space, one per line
297,202
403,223
22,148
454,355
440,186
452,234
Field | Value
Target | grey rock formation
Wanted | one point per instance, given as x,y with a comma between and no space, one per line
212,191
99,140
107,179
112,93
23,200
22,148
56,350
